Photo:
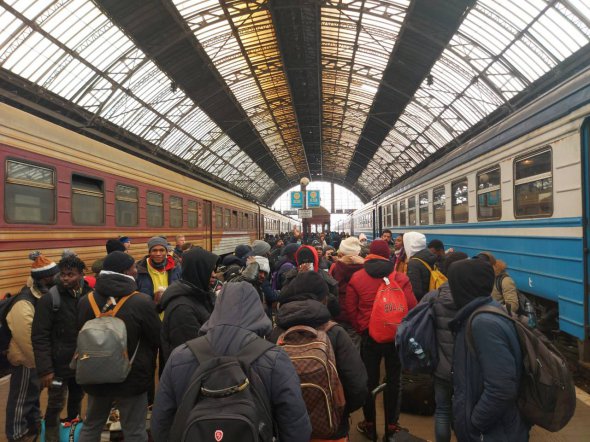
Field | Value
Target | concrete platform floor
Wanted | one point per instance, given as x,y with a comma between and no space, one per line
578,430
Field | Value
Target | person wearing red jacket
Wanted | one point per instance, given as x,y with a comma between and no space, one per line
358,304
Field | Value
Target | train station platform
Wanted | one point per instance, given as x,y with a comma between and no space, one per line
577,430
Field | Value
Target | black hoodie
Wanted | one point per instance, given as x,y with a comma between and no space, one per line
187,303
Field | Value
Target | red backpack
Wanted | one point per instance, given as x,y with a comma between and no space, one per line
389,308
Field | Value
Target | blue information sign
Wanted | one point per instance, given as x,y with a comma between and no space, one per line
297,200
313,198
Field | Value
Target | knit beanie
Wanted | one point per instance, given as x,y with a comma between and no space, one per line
350,246
470,279
124,239
290,249
114,245
117,262
379,247
42,267
260,248
450,259
306,285
242,250
157,241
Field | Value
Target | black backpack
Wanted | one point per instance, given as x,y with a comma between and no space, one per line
547,395
226,399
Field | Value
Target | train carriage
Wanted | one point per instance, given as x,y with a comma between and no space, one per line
63,190
519,190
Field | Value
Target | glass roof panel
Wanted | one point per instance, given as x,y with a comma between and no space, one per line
357,38
72,49
498,51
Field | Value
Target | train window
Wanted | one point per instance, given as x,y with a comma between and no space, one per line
227,219
439,203
126,205
423,203
29,193
155,209
206,213
412,211
489,201
234,219
394,214
176,211
459,202
192,214
402,213
533,185
218,218
386,217
87,201
247,221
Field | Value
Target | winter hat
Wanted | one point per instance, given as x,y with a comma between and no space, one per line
229,260
306,285
260,248
290,249
379,247
117,262
263,263
350,246
242,250
470,279
486,256
362,237
157,241
413,243
42,267
114,245
124,239
304,255
451,258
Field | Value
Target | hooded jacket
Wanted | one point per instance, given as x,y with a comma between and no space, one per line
20,322
144,280
350,367
55,334
363,285
342,271
486,383
188,302
444,312
143,326
237,319
415,247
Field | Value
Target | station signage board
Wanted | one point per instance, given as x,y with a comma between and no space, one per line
297,200
307,213
313,198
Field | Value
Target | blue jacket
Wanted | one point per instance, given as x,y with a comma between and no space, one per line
144,280
486,383
237,319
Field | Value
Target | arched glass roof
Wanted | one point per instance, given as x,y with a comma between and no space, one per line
257,94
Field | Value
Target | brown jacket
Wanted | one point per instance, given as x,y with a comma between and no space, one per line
508,295
20,322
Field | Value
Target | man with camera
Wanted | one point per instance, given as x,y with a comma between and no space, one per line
54,337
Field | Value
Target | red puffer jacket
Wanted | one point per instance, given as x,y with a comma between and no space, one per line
362,287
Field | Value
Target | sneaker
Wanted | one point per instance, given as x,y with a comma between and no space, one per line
367,429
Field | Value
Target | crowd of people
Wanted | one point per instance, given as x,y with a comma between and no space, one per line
180,301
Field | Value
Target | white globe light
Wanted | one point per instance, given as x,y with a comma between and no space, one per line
304,181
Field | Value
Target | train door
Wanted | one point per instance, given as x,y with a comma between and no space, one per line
585,132
207,226
374,223
379,227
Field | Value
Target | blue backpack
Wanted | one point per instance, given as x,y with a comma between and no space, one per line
416,339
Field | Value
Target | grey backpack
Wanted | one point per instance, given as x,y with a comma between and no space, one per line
101,356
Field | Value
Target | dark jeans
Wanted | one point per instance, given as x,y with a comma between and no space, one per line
372,353
22,407
56,398
443,393
133,411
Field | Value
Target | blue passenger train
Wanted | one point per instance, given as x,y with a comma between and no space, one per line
519,190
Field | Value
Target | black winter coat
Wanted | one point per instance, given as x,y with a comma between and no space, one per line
54,334
143,326
186,308
444,311
350,367
418,274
